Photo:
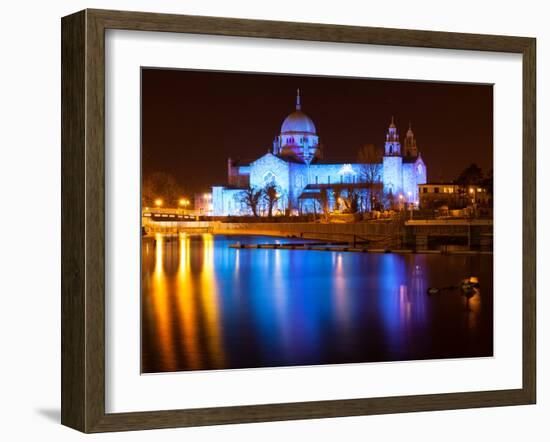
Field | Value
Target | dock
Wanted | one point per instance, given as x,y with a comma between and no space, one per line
342,247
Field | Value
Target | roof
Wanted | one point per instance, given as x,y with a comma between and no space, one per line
290,159
343,160
359,185
238,162
230,187
298,122
440,183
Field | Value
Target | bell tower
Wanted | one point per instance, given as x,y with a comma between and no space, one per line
392,146
392,163
410,143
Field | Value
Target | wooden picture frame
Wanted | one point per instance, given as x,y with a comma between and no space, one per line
83,220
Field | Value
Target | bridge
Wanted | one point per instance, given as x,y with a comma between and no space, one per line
170,221
475,233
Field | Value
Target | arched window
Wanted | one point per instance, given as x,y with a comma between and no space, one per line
269,178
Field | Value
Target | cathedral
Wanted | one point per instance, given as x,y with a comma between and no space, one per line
295,165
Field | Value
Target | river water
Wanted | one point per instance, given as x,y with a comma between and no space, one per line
208,306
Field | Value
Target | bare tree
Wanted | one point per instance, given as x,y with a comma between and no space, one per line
351,200
337,197
370,159
271,196
388,200
251,198
323,199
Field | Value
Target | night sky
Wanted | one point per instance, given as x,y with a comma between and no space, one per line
192,121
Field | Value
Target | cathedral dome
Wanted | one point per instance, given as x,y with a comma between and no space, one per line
297,121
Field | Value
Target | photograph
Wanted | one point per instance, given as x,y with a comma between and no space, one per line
291,220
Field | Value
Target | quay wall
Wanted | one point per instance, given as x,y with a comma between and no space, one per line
331,232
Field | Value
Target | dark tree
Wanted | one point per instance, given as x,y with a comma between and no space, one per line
351,200
337,198
471,175
251,197
160,185
271,196
323,199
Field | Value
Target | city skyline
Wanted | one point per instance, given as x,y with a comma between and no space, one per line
192,119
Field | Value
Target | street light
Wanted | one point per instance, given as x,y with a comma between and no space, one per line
158,202
473,193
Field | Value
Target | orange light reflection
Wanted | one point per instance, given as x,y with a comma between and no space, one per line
185,297
161,307
210,304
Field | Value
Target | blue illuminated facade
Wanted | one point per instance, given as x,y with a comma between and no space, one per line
296,166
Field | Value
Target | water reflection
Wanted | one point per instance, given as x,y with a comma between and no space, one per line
187,306
210,305
207,306
161,307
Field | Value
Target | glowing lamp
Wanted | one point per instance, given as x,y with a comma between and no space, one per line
158,202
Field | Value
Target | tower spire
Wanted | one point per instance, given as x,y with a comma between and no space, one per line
298,104
410,143
392,145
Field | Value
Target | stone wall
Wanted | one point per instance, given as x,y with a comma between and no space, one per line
333,232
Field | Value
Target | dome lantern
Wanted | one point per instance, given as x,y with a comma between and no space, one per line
298,137
297,121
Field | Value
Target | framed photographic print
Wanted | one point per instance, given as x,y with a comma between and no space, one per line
268,221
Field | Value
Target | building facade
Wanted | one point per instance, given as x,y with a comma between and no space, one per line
453,196
295,165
